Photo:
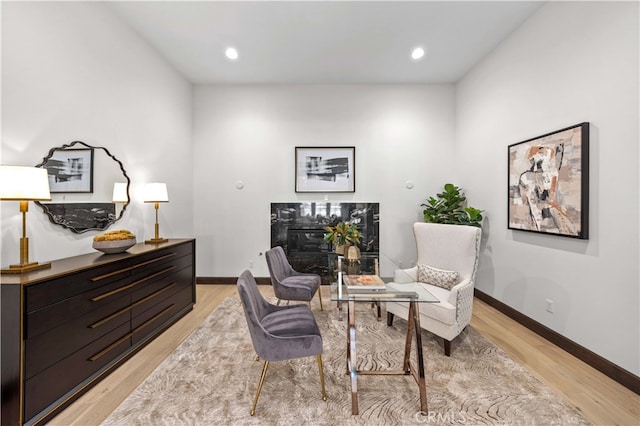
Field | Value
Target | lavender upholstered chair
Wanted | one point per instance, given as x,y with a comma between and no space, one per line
289,284
279,332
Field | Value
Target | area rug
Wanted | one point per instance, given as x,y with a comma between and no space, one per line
211,379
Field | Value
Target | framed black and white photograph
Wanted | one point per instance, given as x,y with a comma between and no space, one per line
549,183
70,170
325,169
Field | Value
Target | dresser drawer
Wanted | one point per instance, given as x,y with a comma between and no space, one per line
48,348
54,315
148,282
147,321
62,377
38,296
150,265
161,290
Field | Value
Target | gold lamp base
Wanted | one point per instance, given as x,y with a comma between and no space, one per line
19,269
156,241
25,265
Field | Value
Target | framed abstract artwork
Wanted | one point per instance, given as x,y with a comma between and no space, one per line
70,170
549,183
325,169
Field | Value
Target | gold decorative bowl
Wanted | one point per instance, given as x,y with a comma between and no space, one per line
114,246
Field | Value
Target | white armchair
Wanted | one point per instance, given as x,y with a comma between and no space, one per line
452,248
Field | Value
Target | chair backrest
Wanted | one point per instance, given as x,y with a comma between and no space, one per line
278,332
279,266
255,308
449,247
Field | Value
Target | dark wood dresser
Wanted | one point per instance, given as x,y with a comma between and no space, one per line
67,327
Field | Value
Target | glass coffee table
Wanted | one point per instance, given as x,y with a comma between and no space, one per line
389,292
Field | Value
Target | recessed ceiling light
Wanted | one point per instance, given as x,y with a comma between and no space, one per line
417,53
231,53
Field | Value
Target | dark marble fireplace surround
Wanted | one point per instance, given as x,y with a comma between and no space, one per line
299,229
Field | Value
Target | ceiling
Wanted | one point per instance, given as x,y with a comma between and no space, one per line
324,42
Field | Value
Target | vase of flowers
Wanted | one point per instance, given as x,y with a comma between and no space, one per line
343,235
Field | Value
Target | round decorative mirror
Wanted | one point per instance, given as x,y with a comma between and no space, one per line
81,181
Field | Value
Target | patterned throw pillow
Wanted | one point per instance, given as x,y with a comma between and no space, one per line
438,277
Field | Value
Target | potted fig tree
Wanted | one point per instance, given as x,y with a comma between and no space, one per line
450,207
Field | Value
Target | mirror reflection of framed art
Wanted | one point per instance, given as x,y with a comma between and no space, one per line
70,170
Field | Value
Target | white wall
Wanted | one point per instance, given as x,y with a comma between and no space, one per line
72,71
571,62
248,133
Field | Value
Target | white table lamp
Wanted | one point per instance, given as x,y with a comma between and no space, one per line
24,184
156,193
120,193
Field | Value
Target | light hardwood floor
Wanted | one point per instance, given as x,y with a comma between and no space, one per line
602,400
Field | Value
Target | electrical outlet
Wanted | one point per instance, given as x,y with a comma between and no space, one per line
548,305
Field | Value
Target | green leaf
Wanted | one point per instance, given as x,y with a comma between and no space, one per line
449,207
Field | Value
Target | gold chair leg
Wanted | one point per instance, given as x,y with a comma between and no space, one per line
320,296
255,401
324,394
278,303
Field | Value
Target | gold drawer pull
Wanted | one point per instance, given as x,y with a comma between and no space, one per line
111,346
112,292
152,276
133,305
131,333
110,317
128,286
150,320
130,268
110,274
157,259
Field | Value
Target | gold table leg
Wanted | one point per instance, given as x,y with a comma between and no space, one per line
351,356
414,319
406,365
413,330
340,312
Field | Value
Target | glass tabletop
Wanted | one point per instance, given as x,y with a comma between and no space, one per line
387,292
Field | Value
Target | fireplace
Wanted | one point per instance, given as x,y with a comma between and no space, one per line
299,229
306,240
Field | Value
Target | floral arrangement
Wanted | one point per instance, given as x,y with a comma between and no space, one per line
343,233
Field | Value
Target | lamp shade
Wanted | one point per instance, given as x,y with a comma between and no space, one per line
120,192
156,193
24,183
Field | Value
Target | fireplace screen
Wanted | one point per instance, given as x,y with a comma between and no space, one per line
299,229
